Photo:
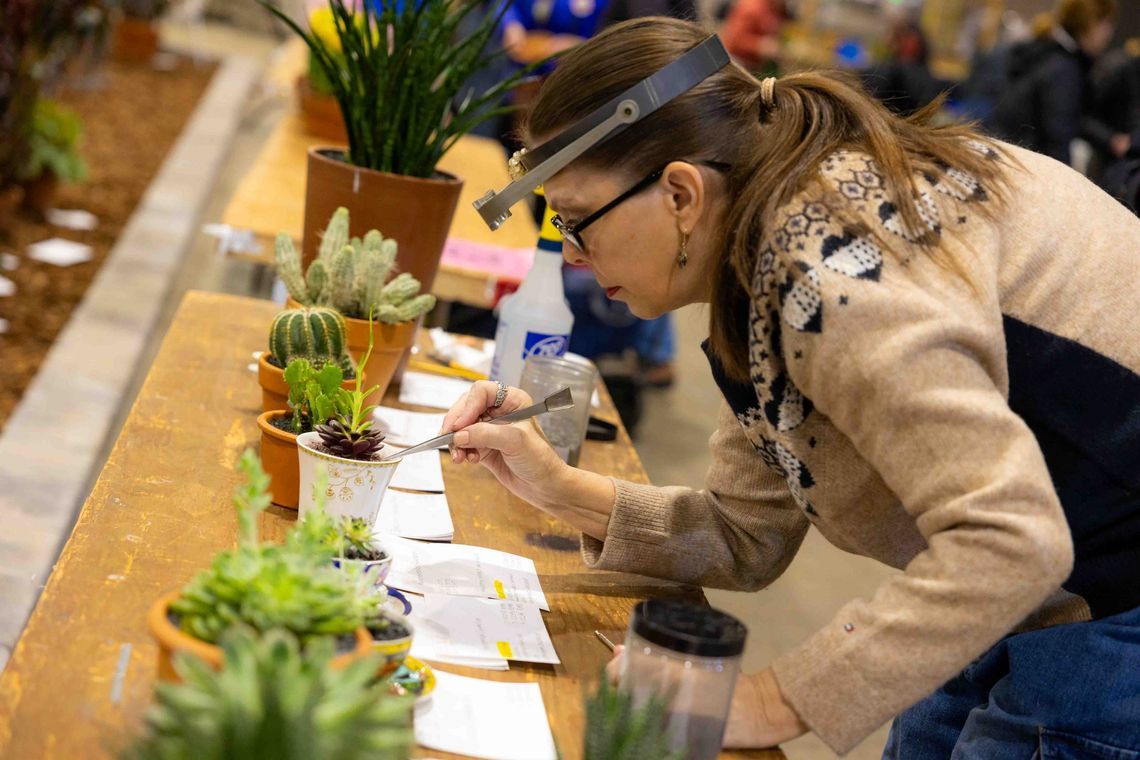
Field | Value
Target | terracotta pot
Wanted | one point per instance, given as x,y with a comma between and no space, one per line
39,193
136,40
279,458
172,640
415,212
274,389
320,113
390,344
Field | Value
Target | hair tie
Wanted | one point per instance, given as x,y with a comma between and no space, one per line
768,92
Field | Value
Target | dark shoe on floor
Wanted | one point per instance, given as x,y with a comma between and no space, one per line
657,375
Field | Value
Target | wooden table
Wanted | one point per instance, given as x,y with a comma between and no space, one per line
271,197
82,673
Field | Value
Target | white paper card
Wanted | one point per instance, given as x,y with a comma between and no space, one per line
72,218
463,626
430,642
407,428
463,570
448,345
419,472
489,719
60,252
7,287
437,391
425,516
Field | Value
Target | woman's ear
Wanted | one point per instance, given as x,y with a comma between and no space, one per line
686,196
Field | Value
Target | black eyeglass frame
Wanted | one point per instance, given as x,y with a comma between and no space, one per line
570,232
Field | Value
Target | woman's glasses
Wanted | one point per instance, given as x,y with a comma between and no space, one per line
571,233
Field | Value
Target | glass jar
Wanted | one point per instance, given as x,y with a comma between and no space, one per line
565,429
688,656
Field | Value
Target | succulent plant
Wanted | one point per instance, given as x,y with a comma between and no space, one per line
352,538
315,334
350,434
265,586
315,395
616,730
351,275
271,699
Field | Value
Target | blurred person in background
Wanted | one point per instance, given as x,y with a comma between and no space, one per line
751,33
903,81
1047,101
1117,105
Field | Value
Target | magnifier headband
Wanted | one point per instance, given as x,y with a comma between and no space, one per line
614,117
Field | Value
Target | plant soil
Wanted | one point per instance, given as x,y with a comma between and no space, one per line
372,556
129,125
285,424
394,630
377,456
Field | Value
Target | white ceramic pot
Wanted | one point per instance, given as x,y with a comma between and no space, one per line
355,488
375,570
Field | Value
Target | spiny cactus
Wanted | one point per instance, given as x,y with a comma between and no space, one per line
351,275
315,334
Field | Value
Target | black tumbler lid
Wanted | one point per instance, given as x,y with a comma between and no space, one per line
689,628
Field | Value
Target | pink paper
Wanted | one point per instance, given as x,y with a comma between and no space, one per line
509,264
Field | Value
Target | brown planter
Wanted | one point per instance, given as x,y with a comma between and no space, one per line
171,640
136,40
390,344
279,458
415,212
39,193
320,113
274,389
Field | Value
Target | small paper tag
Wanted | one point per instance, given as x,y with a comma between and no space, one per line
504,649
502,592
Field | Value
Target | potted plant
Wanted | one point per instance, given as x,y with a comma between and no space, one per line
36,41
320,113
359,553
397,75
315,396
348,450
264,586
275,699
351,275
617,730
315,334
53,154
136,34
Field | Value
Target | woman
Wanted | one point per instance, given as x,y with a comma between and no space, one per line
1048,98
927,346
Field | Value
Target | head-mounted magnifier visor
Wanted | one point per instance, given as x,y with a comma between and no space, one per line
614,117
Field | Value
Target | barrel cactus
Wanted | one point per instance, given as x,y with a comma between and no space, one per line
351,275
315,334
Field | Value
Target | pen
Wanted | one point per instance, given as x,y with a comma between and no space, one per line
446,370
602,637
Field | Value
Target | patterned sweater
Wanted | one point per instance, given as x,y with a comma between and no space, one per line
982,436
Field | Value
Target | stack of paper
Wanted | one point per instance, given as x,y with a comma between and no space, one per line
419,472
462,570
449,345
425,516
470,716
406,428
464,630
437,391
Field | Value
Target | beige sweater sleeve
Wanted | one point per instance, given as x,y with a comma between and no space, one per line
909,368
740,532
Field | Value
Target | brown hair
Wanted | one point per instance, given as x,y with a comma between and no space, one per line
774,151
1074,16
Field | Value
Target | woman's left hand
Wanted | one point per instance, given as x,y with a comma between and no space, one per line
759,715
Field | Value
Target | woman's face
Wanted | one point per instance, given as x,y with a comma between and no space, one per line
1097,38
633,249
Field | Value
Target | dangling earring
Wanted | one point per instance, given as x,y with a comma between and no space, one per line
683,256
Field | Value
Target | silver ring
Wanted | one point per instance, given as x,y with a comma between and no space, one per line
500,395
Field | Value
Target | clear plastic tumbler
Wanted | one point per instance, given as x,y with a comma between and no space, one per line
688,656
566,430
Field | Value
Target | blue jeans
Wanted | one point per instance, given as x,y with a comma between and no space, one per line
1071,692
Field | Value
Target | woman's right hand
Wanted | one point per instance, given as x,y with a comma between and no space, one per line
518,454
